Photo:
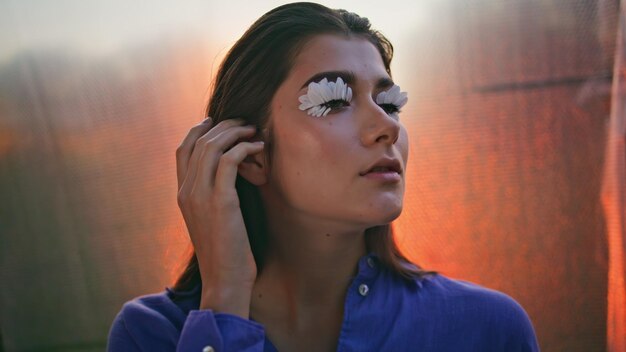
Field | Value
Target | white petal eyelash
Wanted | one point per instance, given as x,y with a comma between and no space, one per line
392,96
321,93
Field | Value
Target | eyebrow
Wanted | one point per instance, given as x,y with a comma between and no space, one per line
348,77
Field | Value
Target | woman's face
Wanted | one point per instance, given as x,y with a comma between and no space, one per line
318,161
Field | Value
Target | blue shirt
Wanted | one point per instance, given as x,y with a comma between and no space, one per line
382,312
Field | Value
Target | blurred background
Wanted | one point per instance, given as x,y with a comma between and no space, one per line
515,178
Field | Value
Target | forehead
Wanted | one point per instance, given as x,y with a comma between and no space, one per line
334,53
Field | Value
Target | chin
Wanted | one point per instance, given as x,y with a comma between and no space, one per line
386,215
393,215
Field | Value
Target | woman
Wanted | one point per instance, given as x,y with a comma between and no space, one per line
293,247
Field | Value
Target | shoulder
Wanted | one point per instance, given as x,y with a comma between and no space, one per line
155,308
473,298
490,313
447,287
149,322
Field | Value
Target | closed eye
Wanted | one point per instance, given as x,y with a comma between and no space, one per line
315,103
390,108
392,100
334,105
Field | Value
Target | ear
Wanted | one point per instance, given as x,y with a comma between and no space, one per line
254,168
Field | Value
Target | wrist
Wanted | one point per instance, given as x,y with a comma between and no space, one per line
227,299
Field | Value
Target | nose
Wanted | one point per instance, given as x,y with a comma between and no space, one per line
378,126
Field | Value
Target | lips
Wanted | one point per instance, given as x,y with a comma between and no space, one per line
384,165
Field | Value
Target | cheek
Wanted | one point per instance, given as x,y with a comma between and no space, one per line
297,155
309,164
300,179
309,141
403,143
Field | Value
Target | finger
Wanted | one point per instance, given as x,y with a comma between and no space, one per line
190,144
213,151
227,169
184,150
219,129
212,133
187,173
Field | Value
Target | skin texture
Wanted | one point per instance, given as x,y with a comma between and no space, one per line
206,169
318,206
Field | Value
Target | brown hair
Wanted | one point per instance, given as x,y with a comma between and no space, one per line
244,86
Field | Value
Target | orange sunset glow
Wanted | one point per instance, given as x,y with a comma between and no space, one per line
515,180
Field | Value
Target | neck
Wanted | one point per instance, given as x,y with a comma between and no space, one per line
313,266
309,263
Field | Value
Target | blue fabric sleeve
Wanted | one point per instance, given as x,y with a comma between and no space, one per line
522,336
141,328
525,339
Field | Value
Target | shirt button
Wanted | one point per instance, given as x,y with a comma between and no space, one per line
363,289
208,349
370,262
